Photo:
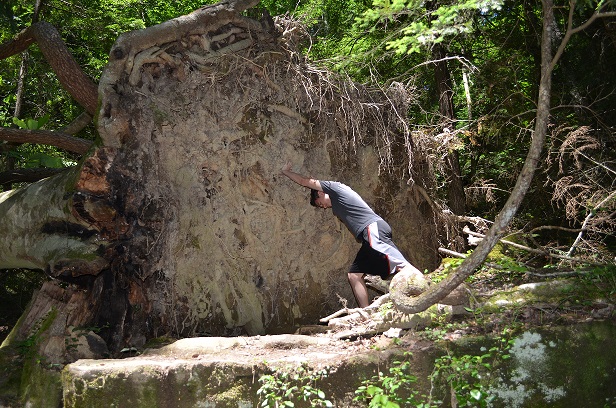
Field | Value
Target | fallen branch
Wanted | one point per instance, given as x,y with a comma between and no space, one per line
449,252
80,122
532,250
337,314
590,215
378,302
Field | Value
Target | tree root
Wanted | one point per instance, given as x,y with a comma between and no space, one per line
383,315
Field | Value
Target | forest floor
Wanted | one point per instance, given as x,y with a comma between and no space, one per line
505,302
502,300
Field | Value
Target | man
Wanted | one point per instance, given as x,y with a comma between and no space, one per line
378,254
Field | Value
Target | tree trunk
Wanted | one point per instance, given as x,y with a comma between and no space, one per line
19,96
456,198
180,224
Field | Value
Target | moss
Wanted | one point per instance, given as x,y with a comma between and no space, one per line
103,390
35,384
237,392
10,374
160,116
42,387
158,342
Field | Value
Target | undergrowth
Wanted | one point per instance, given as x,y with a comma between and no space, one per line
463,378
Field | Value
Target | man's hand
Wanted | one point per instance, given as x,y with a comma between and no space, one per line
299,179
286,167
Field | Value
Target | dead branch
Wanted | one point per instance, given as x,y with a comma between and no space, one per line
558,274
78,124
533,250
449,252
590,215
363,312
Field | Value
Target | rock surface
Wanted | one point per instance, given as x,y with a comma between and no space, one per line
544,369
218,372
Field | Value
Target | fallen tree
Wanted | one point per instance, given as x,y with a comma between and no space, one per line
175,223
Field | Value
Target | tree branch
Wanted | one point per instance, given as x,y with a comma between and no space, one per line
69,73
63,141
573,30
77,124
532,250
437,292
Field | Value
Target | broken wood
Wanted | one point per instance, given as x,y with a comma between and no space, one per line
532,250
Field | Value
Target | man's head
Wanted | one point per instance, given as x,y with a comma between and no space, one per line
319,199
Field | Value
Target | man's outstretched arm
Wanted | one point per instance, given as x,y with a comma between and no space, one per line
299,179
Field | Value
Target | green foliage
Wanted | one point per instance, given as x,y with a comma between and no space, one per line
466,376
285,388
31,124
30,156
89,28
423,27
394,390
601,281
16,288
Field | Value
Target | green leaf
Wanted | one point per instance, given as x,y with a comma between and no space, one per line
32,124
476,394
50,161
20,123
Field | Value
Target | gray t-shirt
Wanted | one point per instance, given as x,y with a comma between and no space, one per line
349,207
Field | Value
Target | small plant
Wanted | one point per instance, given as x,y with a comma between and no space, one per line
394,390
283,388
466,378
466,375
435,333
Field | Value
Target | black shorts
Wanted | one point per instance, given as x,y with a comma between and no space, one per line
378,254
369,260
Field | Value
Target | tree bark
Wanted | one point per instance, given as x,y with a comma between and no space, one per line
456,197
45,227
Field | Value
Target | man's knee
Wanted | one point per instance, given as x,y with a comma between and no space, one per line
355,276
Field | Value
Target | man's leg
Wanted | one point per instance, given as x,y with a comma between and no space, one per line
356,280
